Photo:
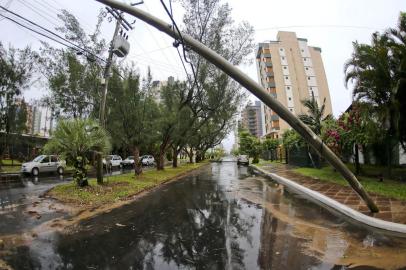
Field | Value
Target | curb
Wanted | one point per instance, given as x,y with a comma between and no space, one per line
339,207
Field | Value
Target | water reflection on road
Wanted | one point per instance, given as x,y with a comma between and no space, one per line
221,218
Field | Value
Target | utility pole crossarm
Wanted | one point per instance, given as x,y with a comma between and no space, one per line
310,137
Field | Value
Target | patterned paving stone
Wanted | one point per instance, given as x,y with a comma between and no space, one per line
390,209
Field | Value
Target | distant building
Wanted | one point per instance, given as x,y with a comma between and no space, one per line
290,71
251,119
157,85
41,120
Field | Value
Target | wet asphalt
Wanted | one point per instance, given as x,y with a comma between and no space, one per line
224,217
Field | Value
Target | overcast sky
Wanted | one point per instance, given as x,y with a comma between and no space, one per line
330,25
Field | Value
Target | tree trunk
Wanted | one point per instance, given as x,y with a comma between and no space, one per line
175,158
356,160
99,168
137,163
190,154
390,156
161,160
161,157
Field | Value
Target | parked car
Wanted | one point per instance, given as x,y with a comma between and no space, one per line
242,159
147,160
129,161
43,163
112,161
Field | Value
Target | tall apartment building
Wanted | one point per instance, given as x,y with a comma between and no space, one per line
290,71
252,119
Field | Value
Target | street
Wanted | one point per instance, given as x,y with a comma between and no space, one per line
221,218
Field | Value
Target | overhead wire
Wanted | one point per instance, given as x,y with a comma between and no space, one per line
38,32
67,43
53,33
180,41
174,57
35,10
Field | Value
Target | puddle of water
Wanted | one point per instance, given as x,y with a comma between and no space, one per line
222,218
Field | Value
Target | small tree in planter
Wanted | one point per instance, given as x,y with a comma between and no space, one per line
74,140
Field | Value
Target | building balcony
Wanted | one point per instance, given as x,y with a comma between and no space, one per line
274,117
268,55
269,74
274,95
268,64
271,84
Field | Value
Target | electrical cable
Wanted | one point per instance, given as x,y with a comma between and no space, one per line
177,42
53,33
37,32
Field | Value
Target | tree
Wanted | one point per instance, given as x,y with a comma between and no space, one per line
291,139
16,70
375,71
270,145
132,113
315,117
397,43
73,76
250,145
75,140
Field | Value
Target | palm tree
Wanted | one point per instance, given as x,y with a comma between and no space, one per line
397,43
315,117
74,140
374,71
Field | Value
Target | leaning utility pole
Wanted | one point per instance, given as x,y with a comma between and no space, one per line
310,137
120,22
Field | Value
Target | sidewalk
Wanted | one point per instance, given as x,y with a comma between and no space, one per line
390,209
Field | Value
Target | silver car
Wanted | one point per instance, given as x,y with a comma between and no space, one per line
43,163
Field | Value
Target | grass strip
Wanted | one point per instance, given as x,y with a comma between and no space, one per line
118,187
388,188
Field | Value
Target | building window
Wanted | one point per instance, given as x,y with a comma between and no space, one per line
307,68
308,78
291,110
288,88
302,50
287,78
284,67
304,59
311,88
281,49
283,58
290,98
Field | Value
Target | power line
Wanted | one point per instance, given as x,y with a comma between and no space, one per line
37,32
182,42
174,57
53,33
35,10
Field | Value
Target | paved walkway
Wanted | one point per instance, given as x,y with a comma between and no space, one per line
390,209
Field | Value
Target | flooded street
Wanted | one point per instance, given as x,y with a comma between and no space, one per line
223,217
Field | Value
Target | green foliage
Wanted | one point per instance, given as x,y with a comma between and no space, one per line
250,145
377,73
270,144
75,139
119,187
390,188
74,78
315,117
16,69
133,113
291,139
